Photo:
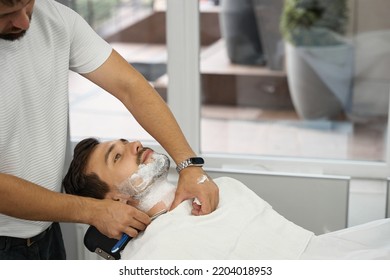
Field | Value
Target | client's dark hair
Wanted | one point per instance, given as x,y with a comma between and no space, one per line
10,3
76,181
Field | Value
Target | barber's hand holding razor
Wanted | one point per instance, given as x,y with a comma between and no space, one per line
114,218
195,184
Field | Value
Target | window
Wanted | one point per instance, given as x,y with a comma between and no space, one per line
136,29
250,115
247,113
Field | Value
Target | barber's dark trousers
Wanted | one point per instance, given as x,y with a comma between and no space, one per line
49,247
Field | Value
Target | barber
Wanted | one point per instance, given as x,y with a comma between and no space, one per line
40,40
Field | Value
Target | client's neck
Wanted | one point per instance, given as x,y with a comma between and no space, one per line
159,198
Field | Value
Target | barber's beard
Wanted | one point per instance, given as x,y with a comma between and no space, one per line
14,34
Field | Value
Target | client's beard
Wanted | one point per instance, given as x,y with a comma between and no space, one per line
149,185
138,184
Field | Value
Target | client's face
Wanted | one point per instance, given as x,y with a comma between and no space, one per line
127,167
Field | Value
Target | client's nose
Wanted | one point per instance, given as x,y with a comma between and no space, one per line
136,146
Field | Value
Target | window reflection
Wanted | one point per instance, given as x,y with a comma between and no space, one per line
258,90
135,29
300,78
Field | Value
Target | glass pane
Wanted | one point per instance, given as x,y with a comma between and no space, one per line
317,89
136,30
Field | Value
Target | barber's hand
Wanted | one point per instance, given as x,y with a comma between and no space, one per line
113,218
189,187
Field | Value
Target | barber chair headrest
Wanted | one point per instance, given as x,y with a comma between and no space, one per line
100,244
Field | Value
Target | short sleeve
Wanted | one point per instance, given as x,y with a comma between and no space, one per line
88,50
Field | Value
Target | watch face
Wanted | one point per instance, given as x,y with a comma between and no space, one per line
197,160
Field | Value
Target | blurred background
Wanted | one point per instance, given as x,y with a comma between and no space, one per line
314,73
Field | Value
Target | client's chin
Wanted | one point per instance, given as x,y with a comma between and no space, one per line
159,200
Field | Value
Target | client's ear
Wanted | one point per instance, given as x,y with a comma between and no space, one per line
124,198
118,197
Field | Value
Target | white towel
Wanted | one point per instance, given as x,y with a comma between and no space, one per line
365,242
242,227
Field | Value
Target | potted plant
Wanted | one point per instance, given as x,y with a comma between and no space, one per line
240,32
319,59
268,13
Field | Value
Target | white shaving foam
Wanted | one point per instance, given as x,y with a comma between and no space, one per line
149,185
162,191
202,179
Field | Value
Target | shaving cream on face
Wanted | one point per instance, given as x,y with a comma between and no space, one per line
161,191
149,184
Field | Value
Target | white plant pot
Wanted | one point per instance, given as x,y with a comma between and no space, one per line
320,79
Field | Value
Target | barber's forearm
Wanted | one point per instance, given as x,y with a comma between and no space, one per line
26,200
156,118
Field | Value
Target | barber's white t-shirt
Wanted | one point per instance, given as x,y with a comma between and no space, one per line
34,98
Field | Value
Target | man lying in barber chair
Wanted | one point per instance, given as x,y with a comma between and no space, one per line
242,227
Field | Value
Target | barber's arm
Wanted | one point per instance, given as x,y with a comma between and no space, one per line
25,200
121,80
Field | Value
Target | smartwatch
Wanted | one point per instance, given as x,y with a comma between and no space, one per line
193,161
